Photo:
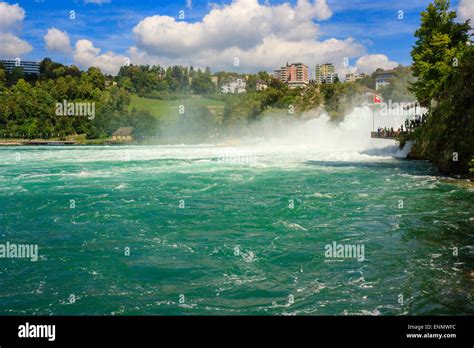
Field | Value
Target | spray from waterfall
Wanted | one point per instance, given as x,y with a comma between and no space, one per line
316,132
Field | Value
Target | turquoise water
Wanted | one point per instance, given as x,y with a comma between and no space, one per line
215,231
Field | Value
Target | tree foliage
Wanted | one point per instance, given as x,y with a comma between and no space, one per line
444,65
28,106
438,50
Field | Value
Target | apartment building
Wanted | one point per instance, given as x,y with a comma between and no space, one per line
294,75
325,73
27,66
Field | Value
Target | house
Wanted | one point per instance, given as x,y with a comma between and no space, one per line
383,77
354,77
237,86
123,134
260,85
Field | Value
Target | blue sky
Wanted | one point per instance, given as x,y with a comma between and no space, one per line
374,25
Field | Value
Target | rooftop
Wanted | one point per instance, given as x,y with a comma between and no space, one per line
122,131
383,72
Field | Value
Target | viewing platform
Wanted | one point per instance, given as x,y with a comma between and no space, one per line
382,135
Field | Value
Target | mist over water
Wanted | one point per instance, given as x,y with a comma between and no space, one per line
315,133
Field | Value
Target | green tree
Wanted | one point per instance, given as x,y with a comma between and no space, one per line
444,65
15,75
3,78
202,83
438,49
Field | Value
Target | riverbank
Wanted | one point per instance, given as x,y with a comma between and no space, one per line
469,177
415,153
56,142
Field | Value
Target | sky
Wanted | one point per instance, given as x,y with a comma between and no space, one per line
233,35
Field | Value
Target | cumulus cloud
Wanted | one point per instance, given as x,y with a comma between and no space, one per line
466,10
271,54
12,46
86,55
321,10
369,63
57,41
10,15
261,36
243,24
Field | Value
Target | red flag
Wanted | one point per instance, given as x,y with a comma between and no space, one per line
377,99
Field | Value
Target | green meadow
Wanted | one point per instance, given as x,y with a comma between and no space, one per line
168,110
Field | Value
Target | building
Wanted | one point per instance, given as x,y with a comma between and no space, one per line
123,134
354,77
383,77
26,66
325,73
237,86
294,75
260,85
214,80
109,83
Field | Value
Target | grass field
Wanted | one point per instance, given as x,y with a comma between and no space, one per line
168,110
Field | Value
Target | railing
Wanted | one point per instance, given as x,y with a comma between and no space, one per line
384,135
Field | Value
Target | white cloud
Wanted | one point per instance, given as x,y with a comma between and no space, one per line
10,15
271,54
322,10
369,63
243,24
57,41
466,10
12,46
86,55
262,37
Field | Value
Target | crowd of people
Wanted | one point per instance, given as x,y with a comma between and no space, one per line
387,132
408,127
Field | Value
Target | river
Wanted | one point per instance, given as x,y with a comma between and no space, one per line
206,229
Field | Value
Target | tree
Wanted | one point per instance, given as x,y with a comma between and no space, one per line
444,65
15,75
144,124
95,77
202,83
438,49
3,78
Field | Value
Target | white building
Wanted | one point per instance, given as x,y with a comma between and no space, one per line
260,85
383,78
354,77
237,86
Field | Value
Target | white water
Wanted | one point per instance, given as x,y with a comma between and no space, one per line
272,141
348,140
